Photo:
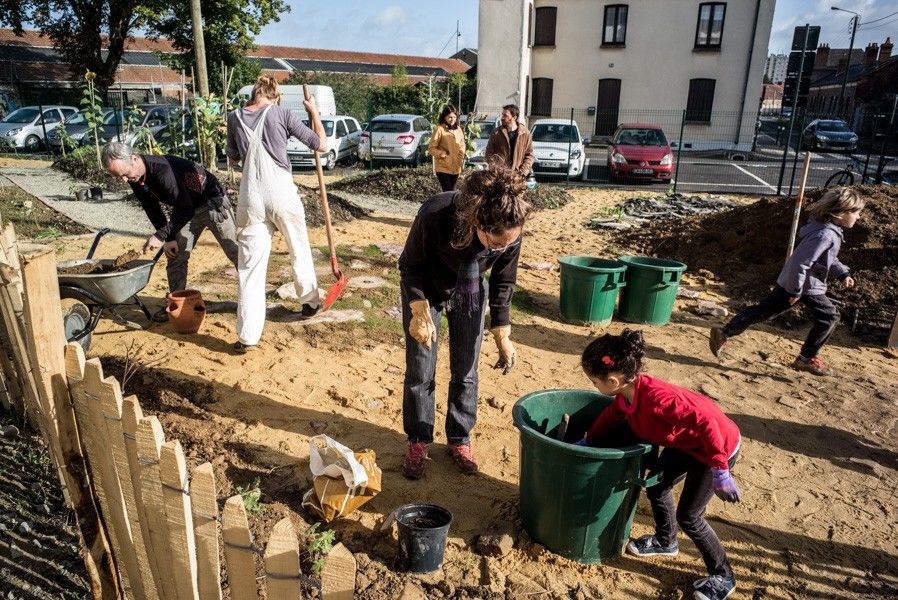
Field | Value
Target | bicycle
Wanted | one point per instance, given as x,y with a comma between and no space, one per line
855,169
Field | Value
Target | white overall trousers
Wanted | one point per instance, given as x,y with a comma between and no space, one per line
268,200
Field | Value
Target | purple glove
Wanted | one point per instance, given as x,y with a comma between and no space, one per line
725,486
582,442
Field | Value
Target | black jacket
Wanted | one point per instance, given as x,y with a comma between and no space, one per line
179,183
429,264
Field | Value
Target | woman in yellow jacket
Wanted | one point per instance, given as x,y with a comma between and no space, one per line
447,147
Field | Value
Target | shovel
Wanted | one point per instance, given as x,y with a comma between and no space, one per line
335,290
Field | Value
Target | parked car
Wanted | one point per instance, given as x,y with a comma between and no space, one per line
23,129
155,117
829,134
487,127
396,138
343,134
76,127
558,149
640,151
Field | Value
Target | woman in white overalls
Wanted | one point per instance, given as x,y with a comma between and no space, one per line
257,136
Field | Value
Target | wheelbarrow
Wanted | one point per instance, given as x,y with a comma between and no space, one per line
87,296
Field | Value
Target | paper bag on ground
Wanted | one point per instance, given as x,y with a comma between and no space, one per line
344,480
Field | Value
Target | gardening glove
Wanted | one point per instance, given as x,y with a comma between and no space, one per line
725,486
421,327
507,355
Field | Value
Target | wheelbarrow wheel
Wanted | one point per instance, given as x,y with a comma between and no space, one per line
75,319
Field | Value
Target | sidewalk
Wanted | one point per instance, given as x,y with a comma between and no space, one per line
52,188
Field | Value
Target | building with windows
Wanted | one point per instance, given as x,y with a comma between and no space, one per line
645,60
775,68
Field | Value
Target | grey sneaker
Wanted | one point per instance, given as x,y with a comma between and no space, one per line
648,545
717,341
714,587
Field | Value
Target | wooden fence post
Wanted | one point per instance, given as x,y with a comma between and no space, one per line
282,562
175,492
205,519
238,550
149,446
338,575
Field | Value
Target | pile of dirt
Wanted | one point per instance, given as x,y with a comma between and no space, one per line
643,209
341,211
82,165
745,247
419,184
122,263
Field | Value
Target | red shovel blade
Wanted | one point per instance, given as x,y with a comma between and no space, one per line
335,290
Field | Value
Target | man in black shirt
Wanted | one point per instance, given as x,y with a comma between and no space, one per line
197,199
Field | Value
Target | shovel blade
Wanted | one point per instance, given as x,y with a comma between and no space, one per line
334,292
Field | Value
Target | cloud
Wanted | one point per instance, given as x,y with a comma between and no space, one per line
391,15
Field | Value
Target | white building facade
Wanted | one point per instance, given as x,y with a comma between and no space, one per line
775,68
684,64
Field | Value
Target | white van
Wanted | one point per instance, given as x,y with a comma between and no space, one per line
292,97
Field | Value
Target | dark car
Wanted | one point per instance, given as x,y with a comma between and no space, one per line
152,116
829,134
640,151
76,127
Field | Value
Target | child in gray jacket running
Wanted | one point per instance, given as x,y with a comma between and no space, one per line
803,278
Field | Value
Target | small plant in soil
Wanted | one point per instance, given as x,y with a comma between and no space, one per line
252,497
319,543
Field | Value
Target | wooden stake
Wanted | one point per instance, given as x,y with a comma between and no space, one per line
338,575
282,563
173,474
893,335
798,201
238,549
205,519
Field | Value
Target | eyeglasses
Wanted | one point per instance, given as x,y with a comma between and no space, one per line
489,252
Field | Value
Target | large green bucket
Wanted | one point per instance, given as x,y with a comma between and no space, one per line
589,288
651,290
576,501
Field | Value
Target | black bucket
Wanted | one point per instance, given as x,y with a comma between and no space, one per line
423,530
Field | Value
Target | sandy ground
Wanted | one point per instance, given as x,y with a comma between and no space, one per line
819,456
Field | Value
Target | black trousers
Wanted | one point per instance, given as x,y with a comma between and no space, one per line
824,312
690,512
447,180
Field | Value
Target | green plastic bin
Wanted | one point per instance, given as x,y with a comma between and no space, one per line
576,501
589,288
652,285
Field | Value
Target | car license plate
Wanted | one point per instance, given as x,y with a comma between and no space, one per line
550,164
642,171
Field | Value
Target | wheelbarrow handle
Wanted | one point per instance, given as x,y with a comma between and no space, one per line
158,255
93,247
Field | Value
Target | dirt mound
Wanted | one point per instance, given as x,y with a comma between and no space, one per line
745,247
341,211
121,263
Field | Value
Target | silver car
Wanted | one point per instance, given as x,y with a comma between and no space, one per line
396,138
23,128
343,134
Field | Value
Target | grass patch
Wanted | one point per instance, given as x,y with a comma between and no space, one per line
32,218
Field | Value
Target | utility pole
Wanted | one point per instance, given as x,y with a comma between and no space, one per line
199,48
854,21
458,35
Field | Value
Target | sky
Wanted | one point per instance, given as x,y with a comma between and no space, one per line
427,27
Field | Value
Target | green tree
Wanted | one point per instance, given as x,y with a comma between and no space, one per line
352,91
91,34
246,72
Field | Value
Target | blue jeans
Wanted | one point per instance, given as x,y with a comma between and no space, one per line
418,402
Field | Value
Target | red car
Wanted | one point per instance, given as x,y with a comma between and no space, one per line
639,151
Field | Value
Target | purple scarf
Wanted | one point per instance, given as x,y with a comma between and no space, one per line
466,294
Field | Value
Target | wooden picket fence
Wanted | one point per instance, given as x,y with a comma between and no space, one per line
149,528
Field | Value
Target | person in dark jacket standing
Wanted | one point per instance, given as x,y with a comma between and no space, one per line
197,199
803,279
455,239
701,445
510,144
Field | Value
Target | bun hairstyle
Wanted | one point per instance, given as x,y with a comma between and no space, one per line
492,200
266,87
614,354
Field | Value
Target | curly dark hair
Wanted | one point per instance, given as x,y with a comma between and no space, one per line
614,354
491,200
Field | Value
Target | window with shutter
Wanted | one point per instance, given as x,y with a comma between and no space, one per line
701,100
709,31
541,97
614,30
544,26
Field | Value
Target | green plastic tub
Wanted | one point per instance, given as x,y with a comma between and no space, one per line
589,288
576,501
651,290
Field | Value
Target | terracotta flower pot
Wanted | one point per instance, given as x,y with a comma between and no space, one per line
186,310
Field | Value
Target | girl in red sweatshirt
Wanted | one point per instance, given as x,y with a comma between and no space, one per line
700,443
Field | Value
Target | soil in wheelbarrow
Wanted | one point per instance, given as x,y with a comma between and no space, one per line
121,263
745,248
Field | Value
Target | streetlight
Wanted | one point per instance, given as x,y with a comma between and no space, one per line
854,21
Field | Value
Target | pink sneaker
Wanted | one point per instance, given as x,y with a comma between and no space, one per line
464,457
413,463
812,365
